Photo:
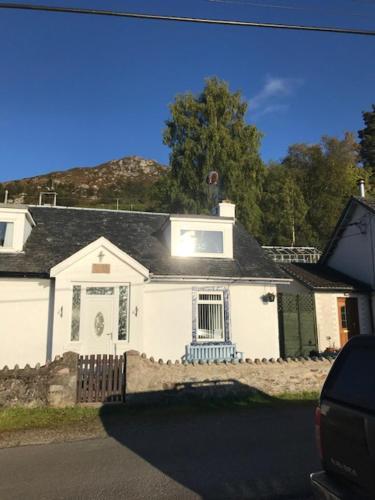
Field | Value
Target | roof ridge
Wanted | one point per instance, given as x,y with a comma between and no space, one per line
60,207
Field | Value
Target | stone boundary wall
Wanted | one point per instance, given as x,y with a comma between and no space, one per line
54,384
150,380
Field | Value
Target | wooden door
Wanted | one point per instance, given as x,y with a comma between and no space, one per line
348,318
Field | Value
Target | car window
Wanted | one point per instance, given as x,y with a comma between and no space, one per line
352,380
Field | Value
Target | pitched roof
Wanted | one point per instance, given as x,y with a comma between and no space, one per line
367,203
320,277
60,232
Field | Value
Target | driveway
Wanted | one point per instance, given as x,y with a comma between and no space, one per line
247,453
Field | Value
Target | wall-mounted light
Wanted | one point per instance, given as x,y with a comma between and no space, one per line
269,297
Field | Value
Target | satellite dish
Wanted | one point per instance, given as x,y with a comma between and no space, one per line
212,178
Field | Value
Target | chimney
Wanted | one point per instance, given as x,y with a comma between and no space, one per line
226,209
52,195
361,185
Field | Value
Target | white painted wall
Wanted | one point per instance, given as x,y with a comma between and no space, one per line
24,313
167,322
354,252
168,319
255,327
328,318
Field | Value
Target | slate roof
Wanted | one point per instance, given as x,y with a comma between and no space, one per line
320,277
60,232
370,203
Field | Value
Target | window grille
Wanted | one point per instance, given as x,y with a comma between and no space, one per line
210,316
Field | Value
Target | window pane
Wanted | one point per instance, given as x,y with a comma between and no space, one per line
123,313
76,313
210,321
100,290
6,234
200,242
353,380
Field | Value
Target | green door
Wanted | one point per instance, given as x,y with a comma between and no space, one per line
297,324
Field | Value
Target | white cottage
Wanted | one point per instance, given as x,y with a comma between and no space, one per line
102,282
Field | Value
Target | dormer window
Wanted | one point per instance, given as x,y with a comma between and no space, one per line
193,242
6,234
15,227
200,236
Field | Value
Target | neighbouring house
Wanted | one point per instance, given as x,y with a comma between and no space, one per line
332,300
321,309
351,249
98,281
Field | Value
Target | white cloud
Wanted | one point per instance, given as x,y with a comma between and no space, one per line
273,90
272,108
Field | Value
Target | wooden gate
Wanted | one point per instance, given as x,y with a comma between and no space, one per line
297,324
100,379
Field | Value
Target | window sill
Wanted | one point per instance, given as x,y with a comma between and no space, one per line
211,342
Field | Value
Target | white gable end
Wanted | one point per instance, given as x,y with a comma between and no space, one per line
353,254
101,260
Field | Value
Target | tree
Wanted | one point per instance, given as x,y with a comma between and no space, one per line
208,132
283,209
367,142
327,174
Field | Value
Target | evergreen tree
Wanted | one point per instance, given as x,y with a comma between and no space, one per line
367,142
208,132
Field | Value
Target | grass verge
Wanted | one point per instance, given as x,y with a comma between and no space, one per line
84,417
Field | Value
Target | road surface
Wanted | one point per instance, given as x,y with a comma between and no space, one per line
246,453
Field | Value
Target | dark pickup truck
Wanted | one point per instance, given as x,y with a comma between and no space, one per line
345,425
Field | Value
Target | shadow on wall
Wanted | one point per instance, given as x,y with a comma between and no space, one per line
213,449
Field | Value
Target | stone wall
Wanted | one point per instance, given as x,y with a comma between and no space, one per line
148,380
53,384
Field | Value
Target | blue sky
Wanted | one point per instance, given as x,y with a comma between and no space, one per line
79,90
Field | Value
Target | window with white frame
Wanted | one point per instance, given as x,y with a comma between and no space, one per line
6,234
200,242
210,316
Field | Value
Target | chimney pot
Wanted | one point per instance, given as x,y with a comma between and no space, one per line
361,185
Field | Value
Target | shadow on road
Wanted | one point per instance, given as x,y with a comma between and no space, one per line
220,450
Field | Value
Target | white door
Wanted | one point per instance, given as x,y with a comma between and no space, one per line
99,324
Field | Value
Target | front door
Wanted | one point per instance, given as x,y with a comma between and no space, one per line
99,320
348,318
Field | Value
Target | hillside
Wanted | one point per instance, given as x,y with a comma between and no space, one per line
128,180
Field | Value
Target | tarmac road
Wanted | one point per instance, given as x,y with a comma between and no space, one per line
245,453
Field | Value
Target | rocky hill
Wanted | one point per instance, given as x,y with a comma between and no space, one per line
127,181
